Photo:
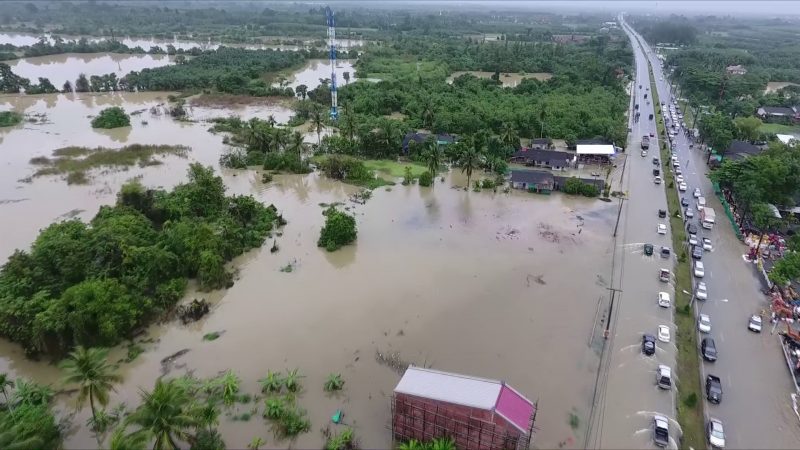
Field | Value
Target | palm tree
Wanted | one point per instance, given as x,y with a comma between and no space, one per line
5,382
90,369
509,136
387,134
122,441
347,122
427,114
346,76
317,122
280,137
292,380
469,160
296,146
166,414
208,415
433,156
230,387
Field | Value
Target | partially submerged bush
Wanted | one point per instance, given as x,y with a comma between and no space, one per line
426,179
113,117
339,230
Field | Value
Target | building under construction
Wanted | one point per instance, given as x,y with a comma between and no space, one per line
478,414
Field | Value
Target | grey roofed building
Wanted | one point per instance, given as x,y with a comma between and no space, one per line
543,158
542,143
532,179
420,138
781,111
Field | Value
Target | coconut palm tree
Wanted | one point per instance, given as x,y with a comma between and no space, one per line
301,90
122,441
317,120
509,136
433,156
280,138
295,146
347,123
90,369
469,159
165,415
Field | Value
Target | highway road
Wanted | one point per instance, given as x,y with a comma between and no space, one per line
756,407
627,397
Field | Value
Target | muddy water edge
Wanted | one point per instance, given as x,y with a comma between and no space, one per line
495,285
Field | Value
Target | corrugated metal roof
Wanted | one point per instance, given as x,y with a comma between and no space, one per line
515,408
449,387
595,149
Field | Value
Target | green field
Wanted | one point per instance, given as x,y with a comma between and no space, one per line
778,128
394,169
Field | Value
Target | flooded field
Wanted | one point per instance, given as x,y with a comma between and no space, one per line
22,39
67,66
773,86
316,69
482,283
508,79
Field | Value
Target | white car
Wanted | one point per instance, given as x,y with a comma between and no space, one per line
701,202
682,187
701,293
679,178
697,193
715,433
657,180
678,170
754,324
663,299
704,323
662,229
699,269
663,333
689,214
692,239
644,152
674,158
707,244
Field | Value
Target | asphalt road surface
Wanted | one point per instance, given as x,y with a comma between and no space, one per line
756,407
628,397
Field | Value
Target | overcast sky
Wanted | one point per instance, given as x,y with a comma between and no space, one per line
718,7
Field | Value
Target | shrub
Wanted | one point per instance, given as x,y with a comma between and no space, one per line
339,230
334,383
575,186
113,117
487,184
426,179
285,162
9,118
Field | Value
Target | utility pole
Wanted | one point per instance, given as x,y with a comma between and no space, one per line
619,213
610,310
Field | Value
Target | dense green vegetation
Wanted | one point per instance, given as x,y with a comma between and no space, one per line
229,70
113,117
262,143
349,170
339,230
9,118
93,284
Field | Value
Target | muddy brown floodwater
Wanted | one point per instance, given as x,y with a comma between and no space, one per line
495,285
67,66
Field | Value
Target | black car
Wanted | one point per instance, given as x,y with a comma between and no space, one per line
665,252
648,344
651,117
684,202
662,213
691,228
713,389
655,161
697,252
709,349
636,107
656,172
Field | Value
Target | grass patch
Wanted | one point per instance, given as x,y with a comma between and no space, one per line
690,414
213,336
76,161
778,128
394,169
9,118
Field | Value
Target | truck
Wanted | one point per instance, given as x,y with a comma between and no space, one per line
713,389
645,142
707,217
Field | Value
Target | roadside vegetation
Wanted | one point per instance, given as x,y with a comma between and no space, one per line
688,384
9,118
75,163
94,284
113,117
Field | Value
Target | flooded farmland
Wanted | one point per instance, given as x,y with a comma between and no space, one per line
481,283
67,66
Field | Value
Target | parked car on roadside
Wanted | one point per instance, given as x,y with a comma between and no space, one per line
692,239
664,377
684,202
657,179
688,213
708,349
713,389
663,300
699,269
660,430
754,324
697,252
704,323
701,293
663,333
707,244
715,433
662,229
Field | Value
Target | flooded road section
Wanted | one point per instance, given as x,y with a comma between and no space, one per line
67,66
494,285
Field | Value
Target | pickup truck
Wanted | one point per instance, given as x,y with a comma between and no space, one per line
713,389
645,142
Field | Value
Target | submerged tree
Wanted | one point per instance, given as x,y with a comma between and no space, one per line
165,416
90,370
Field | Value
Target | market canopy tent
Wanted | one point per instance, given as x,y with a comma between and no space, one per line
595,149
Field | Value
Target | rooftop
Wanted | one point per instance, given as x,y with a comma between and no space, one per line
531,176
491,395
778,111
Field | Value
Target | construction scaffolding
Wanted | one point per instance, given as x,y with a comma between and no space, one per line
470,428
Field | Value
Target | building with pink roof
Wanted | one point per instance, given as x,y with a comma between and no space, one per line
476,413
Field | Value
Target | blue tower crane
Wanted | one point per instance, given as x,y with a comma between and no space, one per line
332,58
